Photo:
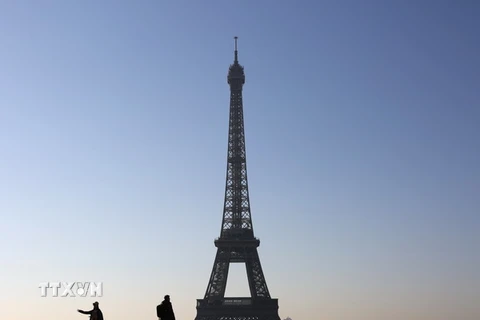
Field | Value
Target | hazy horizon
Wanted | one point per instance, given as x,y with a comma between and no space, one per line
362,130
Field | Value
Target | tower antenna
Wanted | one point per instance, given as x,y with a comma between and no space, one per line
236,51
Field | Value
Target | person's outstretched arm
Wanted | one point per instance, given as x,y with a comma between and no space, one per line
85,312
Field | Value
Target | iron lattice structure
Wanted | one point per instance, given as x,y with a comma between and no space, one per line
237,243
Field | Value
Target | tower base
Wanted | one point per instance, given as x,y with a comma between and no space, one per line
237,309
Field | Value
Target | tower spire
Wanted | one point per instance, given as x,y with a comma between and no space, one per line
236,51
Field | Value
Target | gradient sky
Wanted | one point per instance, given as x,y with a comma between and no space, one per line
362,127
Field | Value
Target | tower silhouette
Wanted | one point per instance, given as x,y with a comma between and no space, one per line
237,243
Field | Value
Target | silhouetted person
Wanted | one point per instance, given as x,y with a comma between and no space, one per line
165,309
95,313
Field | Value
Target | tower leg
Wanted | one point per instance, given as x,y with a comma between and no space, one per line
256,279
218,278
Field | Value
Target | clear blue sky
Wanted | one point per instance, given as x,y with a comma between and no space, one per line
363,147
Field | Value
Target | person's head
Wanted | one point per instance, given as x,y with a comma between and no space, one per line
167,298
95,305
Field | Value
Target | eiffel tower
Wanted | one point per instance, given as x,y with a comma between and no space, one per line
237,243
